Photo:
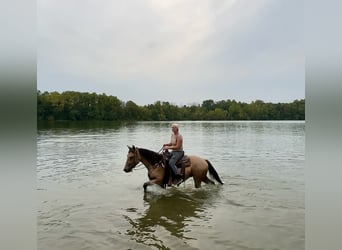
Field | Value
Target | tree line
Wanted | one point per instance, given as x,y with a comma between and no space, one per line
79,106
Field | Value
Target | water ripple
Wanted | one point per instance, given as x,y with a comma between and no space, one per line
86,201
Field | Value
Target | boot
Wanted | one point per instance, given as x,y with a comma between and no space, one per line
178,179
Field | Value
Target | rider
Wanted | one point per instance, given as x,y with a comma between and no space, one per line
176,145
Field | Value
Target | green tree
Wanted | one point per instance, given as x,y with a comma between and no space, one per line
208,105
72,105
132,111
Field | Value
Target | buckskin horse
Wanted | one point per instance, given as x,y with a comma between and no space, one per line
157,174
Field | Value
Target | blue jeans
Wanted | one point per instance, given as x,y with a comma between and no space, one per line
175,156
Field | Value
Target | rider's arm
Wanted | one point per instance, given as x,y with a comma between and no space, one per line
168,144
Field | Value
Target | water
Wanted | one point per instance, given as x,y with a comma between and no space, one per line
86,201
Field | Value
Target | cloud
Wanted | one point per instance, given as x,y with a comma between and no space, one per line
169,49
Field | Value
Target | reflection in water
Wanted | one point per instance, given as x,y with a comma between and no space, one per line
173,211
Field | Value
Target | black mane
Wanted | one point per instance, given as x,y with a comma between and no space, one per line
150,155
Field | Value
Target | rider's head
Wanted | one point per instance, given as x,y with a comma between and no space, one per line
175,127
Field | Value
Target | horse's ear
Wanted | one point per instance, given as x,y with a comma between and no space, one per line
129,147
133,147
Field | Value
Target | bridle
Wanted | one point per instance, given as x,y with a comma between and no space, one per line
139,163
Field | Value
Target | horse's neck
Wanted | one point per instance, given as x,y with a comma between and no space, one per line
149,158
146,162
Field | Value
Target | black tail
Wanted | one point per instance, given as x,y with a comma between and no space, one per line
213,172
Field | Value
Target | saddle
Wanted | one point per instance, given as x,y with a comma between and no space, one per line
183,162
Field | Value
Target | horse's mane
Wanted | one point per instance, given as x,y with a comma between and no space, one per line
150,155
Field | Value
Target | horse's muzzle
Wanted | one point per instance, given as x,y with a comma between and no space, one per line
127,170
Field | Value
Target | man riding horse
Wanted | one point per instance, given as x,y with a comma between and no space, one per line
157,172
176,147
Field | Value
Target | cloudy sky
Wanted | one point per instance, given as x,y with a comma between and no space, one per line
181,51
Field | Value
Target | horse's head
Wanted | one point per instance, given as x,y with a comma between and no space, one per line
132,159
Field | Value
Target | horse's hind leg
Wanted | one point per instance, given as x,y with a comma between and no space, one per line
199,176
197,183
208,181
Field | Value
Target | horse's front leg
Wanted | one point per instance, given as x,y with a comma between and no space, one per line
151,182
147,183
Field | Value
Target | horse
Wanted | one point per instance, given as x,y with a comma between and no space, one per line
155,165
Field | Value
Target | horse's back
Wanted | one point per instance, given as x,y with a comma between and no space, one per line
198,162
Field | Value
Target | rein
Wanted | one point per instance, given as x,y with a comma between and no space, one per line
141,165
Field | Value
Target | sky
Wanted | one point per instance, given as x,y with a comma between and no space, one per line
179,51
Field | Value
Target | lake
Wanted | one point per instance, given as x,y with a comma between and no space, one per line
87,201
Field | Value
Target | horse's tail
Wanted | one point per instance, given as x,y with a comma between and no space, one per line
213,172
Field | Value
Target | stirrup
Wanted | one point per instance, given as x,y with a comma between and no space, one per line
178,180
